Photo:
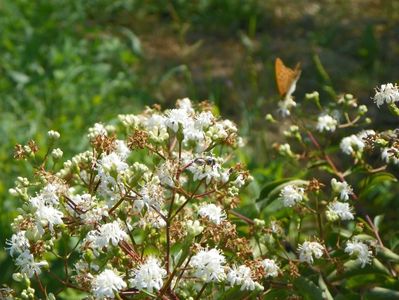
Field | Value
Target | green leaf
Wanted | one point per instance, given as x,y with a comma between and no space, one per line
377,221
308,289
323,286
374,180
19,77
353,268
134,41
387,254
381,293
232,293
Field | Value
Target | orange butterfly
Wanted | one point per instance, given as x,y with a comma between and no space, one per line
286,78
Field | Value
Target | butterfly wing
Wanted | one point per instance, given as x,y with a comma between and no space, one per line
286,78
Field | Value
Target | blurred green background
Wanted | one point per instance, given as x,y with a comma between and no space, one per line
65,65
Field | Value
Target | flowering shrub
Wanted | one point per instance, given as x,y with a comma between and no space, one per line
152,211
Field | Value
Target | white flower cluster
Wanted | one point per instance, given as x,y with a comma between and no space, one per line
390,155
291,195
271,268
355,143
337,210
212,212
326,123
148,276
310,250
116,203
386,93
242,276
109,233
208,265
106,284
360,250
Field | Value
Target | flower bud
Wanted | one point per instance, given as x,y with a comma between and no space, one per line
52,134
312,96
13,192
194,228
270,118
17,277
259,223
57,153
50,296
362,109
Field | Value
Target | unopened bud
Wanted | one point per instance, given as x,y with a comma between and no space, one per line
52,134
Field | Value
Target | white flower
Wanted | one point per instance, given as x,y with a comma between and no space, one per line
194,228
94,215
229,126
212,212
48,215
351,144
205,168
338,210
166,172
208,265
286,105
176,117
191,133
239,181
53,134
343,188
110,162
309,249
390,155
271,268
217,132
129,120
82,203
150,195
285,149
18,243
148,276
360,250
291,195
153,219
50,193
105,234
156,128
204,120
105,284
366,133
28,265
121,149
185,104
326,123
97,129
57,153
388,93
241,276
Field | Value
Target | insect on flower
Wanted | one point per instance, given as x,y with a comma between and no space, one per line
286,78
